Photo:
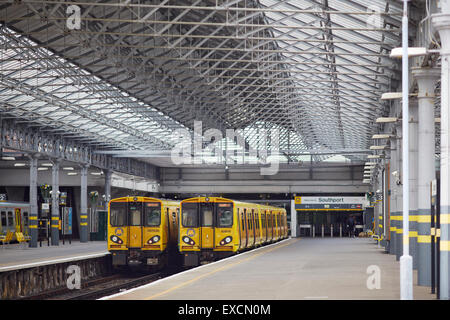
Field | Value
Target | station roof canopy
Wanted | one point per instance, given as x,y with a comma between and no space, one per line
136,71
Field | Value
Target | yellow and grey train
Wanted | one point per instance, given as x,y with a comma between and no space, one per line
143,232
213,228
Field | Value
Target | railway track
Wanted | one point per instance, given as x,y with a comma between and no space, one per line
98,288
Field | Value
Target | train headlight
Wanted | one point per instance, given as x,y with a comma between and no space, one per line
116,239
188,240
226,240
153,239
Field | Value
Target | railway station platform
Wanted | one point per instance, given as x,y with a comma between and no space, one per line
25,271
293,269
16,256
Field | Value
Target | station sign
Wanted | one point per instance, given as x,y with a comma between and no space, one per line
330,203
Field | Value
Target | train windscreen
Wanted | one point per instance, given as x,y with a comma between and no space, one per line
152,214
118,214
135,210
224,215
189,214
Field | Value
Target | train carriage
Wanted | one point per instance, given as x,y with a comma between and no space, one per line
213,227
14,217
143,232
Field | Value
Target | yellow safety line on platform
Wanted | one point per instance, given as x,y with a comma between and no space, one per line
445,218
424,239
445,245
217,270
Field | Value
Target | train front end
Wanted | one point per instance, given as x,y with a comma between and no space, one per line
139,232
208,230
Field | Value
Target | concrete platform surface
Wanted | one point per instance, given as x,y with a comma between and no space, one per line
17,256
293,269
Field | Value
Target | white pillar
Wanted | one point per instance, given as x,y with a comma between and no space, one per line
393,200
426,81
294,223
54,223
442,23
413,161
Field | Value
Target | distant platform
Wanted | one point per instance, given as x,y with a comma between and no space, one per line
18,256
293,269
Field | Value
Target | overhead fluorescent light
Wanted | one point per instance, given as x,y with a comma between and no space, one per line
370,164
391,95
382,136
47,164
9,158
96,173
437,120
377,147
72,173
375,156
386,119
412,52
68,168
18,164
42,169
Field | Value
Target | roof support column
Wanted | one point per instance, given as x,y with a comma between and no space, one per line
108,175
33,220
55,203
83,205
399,229
426,80
442,23
294,223
393,194
413,127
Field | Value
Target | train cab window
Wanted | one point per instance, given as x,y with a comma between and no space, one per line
3,215
207,214
189,215
10,219
224,215
135,210
25,218
152,214
118,214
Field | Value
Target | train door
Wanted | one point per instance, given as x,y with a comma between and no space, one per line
257,230
207,225
169,229
246,228
134,228
270,222
264,226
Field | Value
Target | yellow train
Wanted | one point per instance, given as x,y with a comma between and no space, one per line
143,232
213,228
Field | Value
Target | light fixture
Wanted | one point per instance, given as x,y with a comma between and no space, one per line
391,95
19,164
378,147
375,156
437,120
382,136
42,169
370,164
9,158
47,164
68,168
412,52
386,119
72,173
97,173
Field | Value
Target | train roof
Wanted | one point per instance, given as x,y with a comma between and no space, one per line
140,198
215,199
14,203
